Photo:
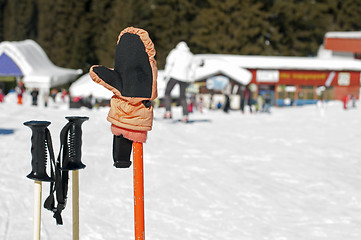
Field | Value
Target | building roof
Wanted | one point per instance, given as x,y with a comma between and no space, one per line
351,34
214,66
343,41
288,63
35,66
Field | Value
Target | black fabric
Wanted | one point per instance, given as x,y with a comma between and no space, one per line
60,187
132,74
182,95
132,61
109,76
122,149
147,103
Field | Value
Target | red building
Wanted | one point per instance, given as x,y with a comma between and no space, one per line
347,42
333,74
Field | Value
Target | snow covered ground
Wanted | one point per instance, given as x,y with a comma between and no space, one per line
293,174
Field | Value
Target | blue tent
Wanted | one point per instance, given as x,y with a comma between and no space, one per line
8,67
28,61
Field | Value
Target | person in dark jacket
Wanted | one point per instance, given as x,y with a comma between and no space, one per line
246,98
34,95
227,104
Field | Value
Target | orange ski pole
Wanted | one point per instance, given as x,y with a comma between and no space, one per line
138,190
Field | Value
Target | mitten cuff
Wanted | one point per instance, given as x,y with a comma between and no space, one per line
135,136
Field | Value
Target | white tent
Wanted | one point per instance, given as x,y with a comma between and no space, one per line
37,69
85,86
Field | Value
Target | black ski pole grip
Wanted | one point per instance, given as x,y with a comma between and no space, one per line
39,144
75,142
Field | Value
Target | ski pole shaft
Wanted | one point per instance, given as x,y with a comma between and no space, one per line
138,191
75,193
37,209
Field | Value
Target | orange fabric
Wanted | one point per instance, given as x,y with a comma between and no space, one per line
135,136
20,100
129,113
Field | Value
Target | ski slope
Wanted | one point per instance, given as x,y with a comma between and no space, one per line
293,174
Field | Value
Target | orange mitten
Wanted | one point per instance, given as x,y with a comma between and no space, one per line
133,80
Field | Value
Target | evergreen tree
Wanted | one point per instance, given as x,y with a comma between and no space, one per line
256,33
64,32
302,25
110,18
348,15
124,13
19,20
172,22
232,26
46,26
2,18
78,34
103,40
80,43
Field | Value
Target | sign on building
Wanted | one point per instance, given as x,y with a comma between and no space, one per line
267,75
344,79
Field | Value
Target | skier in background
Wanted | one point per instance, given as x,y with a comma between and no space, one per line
353,100
267,104
227,92
200,105
34,95
2,95
20,91
246,99
345,101
260,103
46,98
227,104
178,70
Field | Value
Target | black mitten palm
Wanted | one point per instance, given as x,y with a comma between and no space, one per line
132,74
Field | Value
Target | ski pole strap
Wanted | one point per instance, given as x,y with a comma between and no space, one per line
60,187
49,203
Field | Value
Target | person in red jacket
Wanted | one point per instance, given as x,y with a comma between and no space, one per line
1,95
345,100
20,90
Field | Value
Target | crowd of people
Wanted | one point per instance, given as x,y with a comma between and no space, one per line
56,95
246,103
179,70
189,103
